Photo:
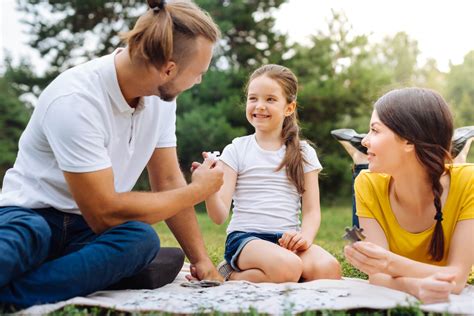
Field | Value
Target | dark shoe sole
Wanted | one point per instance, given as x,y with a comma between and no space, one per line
352,137
460,137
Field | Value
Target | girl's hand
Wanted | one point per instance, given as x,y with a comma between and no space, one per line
204,270
368,257
294,241
436,288
195,164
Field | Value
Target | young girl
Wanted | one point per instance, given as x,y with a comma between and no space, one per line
416,210
267,174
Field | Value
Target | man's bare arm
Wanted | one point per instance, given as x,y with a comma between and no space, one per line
164,174
103,207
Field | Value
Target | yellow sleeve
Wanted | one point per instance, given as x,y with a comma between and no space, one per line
467,208
363,191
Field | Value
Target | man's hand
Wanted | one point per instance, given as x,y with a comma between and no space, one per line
195,164
436,288
204,270
294,241
208,176
368,257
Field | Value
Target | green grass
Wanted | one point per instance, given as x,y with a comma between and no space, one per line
334,220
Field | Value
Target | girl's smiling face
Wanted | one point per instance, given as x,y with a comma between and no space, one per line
267,106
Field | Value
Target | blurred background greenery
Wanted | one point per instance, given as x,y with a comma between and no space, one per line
340,73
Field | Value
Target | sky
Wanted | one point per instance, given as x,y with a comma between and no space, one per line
444,29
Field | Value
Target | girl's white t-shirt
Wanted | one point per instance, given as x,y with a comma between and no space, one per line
264,201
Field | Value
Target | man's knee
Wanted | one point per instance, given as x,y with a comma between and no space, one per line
24,243
33,230
146,240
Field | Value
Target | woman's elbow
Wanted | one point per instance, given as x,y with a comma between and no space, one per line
461,275
461,282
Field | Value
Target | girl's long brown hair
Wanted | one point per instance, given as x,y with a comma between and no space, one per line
167,31
422,117
293,160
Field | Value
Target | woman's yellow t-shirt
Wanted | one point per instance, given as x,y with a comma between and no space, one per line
372,201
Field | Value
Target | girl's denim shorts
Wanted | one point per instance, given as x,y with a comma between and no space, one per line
236,241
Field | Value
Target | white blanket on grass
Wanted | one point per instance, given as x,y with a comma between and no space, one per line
268,298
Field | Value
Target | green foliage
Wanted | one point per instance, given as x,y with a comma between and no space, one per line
13,119
399,55
203,129
70,32
338,83
21,79
67,33
460,90
429,76
249,39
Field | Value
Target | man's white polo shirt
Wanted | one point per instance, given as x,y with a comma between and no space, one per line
82,123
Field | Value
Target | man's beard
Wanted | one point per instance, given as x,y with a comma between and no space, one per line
167,92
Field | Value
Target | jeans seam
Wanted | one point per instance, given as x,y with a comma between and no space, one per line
66,221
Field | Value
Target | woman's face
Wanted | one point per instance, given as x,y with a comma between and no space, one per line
386,151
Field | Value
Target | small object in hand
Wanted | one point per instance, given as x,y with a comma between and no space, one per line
354,234
195,284
213,155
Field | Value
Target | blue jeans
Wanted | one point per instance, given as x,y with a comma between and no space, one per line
357,169
48,256
237,240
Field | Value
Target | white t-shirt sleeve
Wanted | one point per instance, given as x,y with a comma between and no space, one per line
76,132
167,136
229,156
312,161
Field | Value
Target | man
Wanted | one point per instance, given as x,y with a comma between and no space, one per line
69,224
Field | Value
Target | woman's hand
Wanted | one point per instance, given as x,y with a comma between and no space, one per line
369,257
294,241
436,288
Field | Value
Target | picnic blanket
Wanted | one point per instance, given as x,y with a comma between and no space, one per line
269,298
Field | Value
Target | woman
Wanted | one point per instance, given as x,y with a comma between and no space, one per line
416,211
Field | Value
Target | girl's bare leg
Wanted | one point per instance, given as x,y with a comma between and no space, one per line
319,264
263,261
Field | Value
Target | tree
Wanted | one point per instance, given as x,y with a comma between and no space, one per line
339,82
399,55
460,90
13,119
248,27
429,76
